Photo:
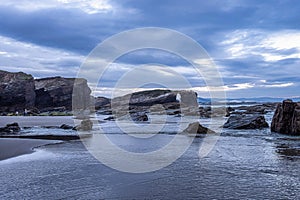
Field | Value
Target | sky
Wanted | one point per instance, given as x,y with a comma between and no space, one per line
254,44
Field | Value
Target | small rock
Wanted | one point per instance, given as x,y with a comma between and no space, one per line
197,128
110,118
85,125
139,117
10,128
66,127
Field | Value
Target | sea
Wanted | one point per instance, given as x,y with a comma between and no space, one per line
240,164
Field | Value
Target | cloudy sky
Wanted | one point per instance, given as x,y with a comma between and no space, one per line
255,44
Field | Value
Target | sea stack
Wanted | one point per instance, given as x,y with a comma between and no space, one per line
16,92
286,119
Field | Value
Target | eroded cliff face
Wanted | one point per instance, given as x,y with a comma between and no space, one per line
17,91
57,92
286,119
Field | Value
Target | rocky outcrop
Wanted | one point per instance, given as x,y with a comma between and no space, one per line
146,98
10,129
255,109
286,119
57,92
16,92
148,101
197,128
246,122
101,102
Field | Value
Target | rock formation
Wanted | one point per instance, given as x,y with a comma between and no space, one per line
176,101
286,119
57,92
16,92
246,122
10,129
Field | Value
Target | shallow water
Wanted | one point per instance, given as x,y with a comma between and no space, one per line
239,167
255,164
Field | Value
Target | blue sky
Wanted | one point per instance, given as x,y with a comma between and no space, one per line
255,44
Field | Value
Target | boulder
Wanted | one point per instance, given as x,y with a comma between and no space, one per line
16,92
139,117
57,92
246,122
197,128
85,125
10,129
286,119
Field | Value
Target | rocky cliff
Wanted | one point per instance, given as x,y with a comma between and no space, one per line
286,119
16,91
57,92
19,91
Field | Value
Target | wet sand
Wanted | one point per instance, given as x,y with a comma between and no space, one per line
30,121
15,147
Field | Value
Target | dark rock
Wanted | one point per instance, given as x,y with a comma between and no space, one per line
57,92
16,91
10,129
197,128
207,112
246,122
104,112
50,127
135,116
142,101
101,102
255,109
286,119
66,127
110,118
139,117
85,125
146,98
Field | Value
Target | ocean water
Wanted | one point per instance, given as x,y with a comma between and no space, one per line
255,164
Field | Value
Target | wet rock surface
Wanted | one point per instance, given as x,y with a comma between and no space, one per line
246,122
16,92
10,129
57,92
286,119
197,128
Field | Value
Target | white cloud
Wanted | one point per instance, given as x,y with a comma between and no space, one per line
278,85
88,6
37,60
271,46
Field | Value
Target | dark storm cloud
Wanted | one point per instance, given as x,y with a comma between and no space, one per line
238,34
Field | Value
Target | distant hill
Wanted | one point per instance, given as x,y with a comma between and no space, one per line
248,100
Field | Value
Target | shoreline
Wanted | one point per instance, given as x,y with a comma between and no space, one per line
10,148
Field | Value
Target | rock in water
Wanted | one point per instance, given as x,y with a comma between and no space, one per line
246,122
197,128
10,129
85,125
286,119
139,117
66,127
16,91
136,117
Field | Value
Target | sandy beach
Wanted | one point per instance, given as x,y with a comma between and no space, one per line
30,121
15,147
